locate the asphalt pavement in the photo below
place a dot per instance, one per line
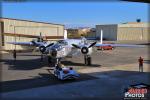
(110, 73)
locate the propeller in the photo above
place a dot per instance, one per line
(40, 43)
(84, 49)
(50, 45)
(78, 47)
(34, 43)
(43, 48)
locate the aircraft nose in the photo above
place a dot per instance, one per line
(54, 53)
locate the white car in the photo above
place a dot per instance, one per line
(66, 73)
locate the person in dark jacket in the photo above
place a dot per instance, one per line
(14, 54)
(140, 60)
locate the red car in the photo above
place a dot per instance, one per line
(109, 47)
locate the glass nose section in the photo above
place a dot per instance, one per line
(57, 47)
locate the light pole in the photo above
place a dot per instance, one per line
(14, 28)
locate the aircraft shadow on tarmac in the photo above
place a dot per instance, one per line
(43, 79)
(38, 81)
(24, 64)
(70, 63)
(37, 63)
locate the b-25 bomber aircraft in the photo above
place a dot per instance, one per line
(68, 47)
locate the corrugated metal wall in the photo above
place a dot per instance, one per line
(109, 31)
(133, 33)
(33, 28)
(128, 31)
(28, 30)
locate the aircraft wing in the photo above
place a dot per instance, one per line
(119, 45)
(26, 43)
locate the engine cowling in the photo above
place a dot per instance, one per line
(86, 50)
(42, 49)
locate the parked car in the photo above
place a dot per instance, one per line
(109, 47)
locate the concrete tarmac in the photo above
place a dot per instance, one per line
(109, 75)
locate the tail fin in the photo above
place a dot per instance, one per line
(101, 38)
(65, 34)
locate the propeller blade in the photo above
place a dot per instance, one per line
(76, 46)
(92, 44)
(50, 45)
(34, 43)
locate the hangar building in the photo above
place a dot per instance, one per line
(24, 31)
(126, 31)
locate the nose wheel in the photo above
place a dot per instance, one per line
(53, 61)
(87, 60)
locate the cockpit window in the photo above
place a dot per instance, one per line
(62, 42)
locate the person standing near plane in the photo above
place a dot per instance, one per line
(14, 55)
(140, 60)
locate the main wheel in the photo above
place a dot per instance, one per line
(87, 60)
(49, 61)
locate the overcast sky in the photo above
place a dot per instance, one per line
(77, 13)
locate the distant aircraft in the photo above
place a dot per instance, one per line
(68, 47)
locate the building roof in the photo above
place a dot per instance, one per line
(30, 21)
(134, 24)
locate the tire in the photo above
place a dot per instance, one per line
(85, 60)
(89, 61)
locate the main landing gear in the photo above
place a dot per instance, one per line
(87, 60)
(53, 61)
